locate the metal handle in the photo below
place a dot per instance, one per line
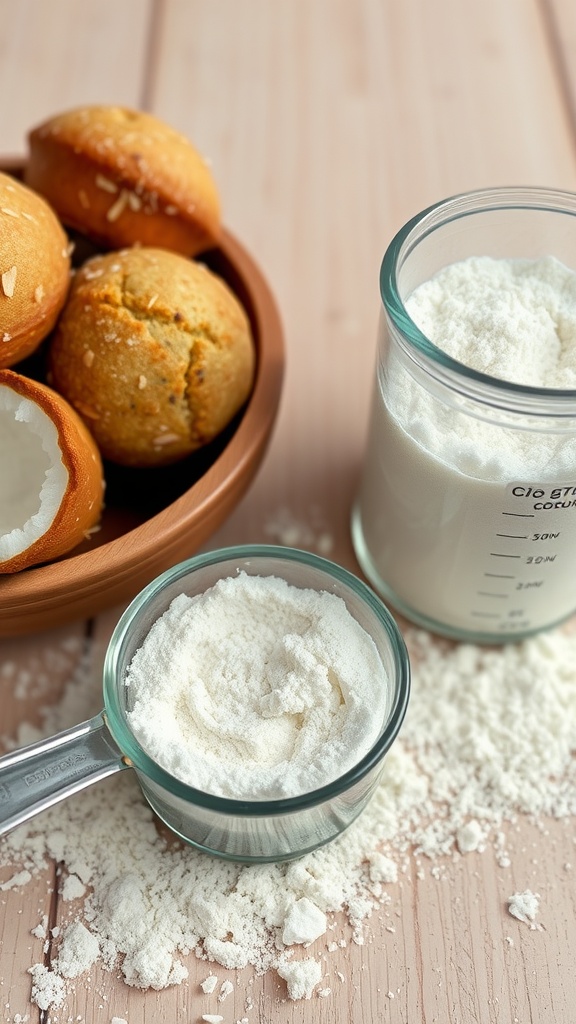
(38, 776)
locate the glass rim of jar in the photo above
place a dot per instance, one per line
(142, 762)
(492, 391)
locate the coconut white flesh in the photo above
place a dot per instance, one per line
(33, 478)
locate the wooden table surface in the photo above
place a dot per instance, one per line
(328, 124)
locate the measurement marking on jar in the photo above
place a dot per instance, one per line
(499, 576)
(487, 593)
(521, 515)
(514, 536)
(499, 554)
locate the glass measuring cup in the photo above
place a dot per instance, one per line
(38, 776)
(465, 519)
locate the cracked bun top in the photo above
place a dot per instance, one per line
(123, 177)
(155, 352)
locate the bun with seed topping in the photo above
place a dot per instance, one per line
(123, 177)
(34, 270)
(155, 352)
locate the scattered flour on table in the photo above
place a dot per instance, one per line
(489, 734)
(288, 529)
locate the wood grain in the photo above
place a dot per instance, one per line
(328, 123)
(64, 54)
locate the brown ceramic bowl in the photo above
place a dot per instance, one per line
(157, 517)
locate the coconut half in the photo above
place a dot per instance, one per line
(51, 479)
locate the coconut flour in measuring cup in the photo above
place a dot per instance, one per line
(466, 516)
(254, 690)
(257, 690)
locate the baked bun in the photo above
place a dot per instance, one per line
(155, 352)
(123, 177)
(34, 270)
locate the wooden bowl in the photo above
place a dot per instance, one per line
(156, 517)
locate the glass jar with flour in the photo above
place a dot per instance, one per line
(466, 514)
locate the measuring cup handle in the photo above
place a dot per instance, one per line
(38, 776)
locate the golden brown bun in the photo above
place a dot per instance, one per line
(123, 177)
(34, 270)
(155, 352)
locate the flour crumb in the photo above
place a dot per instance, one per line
(524, 906)
(212, 1018)
(301, 977)
(118, 1020)
(72, 888)
(209, 984)
(79, 950)
(382, 868)
(324, 992)
(225, 990)
(40, 930)
(470, 837)
(48, 989)
(304, 923)
(20, 878)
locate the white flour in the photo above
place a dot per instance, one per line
(511, 319)
(443, 490)
(311, 532)
(257, 689)
(479, 745)
(524, 906)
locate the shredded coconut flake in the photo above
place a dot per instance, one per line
(105, 184)
(118, 207)
(9, 282)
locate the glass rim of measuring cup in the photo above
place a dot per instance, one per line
(473, 384)
(141, 761)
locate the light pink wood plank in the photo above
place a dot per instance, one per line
(64, 54)
(559, 17)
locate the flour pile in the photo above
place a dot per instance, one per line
(257, 689)
(514, 319)
(489, 734)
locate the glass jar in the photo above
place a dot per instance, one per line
(465, 519)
